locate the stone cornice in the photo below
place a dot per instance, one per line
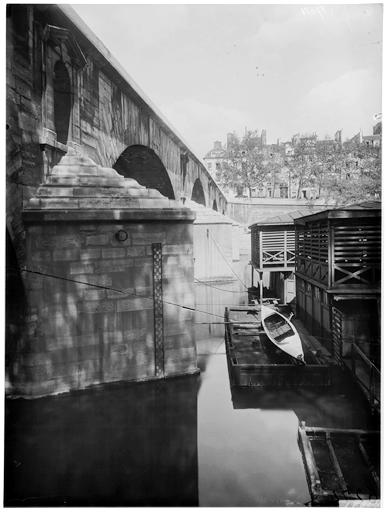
(80, 189)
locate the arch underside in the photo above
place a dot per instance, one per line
(198, 195)
(142, 164)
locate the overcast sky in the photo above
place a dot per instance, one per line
(212, 69)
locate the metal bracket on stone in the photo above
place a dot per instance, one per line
(158, 310)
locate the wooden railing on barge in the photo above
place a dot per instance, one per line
(370, 376)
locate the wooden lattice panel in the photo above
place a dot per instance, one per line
(357, 254)
(277, 249)
(255, 247)
(312, 252)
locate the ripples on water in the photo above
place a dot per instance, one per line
(187, 441)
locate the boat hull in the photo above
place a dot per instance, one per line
(282, 333)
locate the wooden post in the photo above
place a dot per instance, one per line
(372, 470)
(353, 366)
(261, 288)
(331, 255)
(335, 463)
(371, 387)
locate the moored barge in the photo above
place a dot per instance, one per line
(254, 361)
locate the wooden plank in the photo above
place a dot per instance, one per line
(334, 459)
(348, 431)
(311, 467)
(367, 460)
(330, 254)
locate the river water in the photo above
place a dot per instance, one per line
(247, 450)
(187, 441)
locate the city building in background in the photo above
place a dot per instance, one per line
(306, 167)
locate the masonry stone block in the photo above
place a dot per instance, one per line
(113, 253)
(97, 240)
(113, 265)
(90, 254)
(65, 254)
(81, 268)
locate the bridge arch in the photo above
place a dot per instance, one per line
(198, 195)
(142, 164)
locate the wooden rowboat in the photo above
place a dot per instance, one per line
(282, 333)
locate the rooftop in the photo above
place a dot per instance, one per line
(286, 218)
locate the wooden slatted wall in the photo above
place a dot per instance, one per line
(278, 249)
(255, 247)
(357, 253)
(312, 251)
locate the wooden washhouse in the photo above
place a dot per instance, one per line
(273, 252)
(338, 286)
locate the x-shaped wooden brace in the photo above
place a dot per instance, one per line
(351, 275)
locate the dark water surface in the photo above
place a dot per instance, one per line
(188, 441)
(247, 439)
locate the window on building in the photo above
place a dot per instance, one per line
(209, 165)
(283, 191)
(218, 166)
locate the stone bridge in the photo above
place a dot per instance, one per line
(64, 89)
(99, 238)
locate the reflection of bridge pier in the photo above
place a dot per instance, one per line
(131, 445)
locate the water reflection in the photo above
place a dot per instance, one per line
(325, 407)
(247, 457)
(186, 442)
(248, 449)
(132, 445)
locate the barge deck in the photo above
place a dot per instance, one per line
(254, 361)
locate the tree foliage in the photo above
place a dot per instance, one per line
(344, 173)
(246, 166)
